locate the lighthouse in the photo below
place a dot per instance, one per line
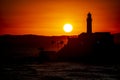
(89, 23)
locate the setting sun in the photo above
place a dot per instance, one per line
(67, 28)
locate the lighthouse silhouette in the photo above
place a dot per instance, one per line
(89, 23)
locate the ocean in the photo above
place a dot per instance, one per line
(59, 71)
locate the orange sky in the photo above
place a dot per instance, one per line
(47, 17)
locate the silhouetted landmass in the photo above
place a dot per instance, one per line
(116, 38)
(29, 40)
(98, 47)
(28, 47)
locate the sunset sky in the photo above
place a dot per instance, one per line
(47, 17)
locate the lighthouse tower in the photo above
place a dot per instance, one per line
(89, 23)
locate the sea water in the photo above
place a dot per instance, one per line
(59, 71)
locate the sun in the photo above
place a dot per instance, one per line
(67, 28)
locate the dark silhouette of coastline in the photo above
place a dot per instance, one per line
(27, 48)
(98, 47)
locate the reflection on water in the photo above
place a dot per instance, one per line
(59, 71)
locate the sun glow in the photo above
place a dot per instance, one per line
(67, 28)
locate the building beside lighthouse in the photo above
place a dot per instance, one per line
(87, 44)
